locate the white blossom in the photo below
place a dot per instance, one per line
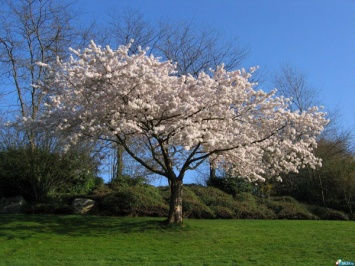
(110, 94)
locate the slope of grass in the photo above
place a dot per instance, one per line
(92, 240)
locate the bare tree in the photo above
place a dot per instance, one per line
(293, 84)
(33, 31)
(192, 47)
(197, 49)
(130, 25)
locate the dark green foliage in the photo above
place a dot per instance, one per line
(225, 206)
(214, 197)
(329, 214)
(230, 185)
(220, 204)
(199, 202)
(203, 203)
(289, 208)
(249, 207)
(134, 201)
(101, 190)
(126, 180)
(331, 186)
(222, 212)
(194, 207)
(49, 208)
(38, 174)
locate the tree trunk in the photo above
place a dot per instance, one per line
(212, 172)
(175, 211)
(119, 163)
(322, 191)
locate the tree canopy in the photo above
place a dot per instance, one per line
(171, 123)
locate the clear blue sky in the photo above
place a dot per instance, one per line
(315, 36)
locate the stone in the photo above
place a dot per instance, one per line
(82, 205)
(12, 205)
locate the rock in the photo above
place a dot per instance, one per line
(12, 205)
(82, 205)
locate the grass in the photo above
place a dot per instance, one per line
(92, 240)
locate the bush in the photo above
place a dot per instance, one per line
(49, 208)
(285, 199)
(221, 204)
(224, 206)
(212, 196)
(193, 207)
(101, 190)
(249, 207)
(38, 174)
(230, 185)
(328, 214)
(134, 201)
(289, 208)
(222, 212)
(126, 180)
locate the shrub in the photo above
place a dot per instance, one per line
(126, 180)
(222, 212)
(285, 199)
(193, 207)
(223, 205)
(49, 208)
(134, 201)
(249, 207)
(101, 190)
(230, 185)
(328, 214)
(289, 208)
(212, 196)
(38, 174)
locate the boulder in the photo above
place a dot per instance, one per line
(12, 205)
(82, 205)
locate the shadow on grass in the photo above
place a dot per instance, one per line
(24, 226)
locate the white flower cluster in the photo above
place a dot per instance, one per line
(117, 96)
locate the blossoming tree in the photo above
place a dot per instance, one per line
(170, 124)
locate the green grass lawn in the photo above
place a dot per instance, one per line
(90, 240)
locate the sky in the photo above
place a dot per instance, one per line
(317, 37)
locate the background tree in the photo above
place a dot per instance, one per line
(177, 122)
(32, 163)
(41, 173)
(292, 83)
(331, 186)
(326, 185)
(33, 31)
